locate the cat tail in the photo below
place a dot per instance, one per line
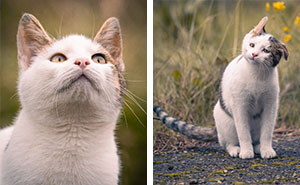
(187, 129)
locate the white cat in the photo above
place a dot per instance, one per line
(71, 95)
(246, 112)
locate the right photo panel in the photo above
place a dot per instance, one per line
(226, 92)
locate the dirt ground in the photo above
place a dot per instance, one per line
(207, 163)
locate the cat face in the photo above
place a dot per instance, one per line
(262, 48)
(71, 70)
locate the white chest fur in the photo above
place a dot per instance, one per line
(71, 154)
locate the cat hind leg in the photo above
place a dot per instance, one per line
(227, 134)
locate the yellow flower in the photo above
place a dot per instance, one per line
(297, 20)
(268, 6)
(278, 6)
(287, 37)
(286, 28)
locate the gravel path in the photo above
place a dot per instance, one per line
(212, 165)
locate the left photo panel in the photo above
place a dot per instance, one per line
(73, 90)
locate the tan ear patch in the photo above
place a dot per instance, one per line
(260, 26)
(109, 36)
(31, 39)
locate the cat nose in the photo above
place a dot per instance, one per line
(254, 54)
(82, 63)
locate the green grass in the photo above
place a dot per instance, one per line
(193, 43)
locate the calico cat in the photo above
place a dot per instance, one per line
(245, 114)
(71, 93)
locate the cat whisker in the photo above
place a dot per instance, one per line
(60, 26)
(135, 95)
(132, 96)
(134, 100)
(126, 90)
(133, 81)
(125, 118)
(13, 96)
(132, 111)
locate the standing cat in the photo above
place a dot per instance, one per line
(246, 111)
(71, 94)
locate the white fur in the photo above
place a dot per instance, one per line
(249, 86)
(5, 136)
(63, 136)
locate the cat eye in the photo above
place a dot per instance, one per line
(58, 58)
(252, 45)
(99, 58)
(266, 51)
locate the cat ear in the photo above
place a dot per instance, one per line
(31, 39)
(284, 50)
(264, 29)
(278, 49)
(260, 27)
(109, 36)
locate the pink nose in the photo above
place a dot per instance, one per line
(82, 63)
(254, 54)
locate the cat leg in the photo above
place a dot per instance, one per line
(257, 148)
(227, 135)
(267, 127)
(255, 133)
(233, 150)
(241, 121)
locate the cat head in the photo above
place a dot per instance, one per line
(260, 47)
(74, 69)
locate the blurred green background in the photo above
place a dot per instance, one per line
(63, 17)
(193, 43)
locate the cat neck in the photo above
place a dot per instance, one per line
(82, 135)
(63, 117)
(258, 71)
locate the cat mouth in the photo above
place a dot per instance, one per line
(253, 59)
(82, 79)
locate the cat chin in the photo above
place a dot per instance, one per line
(251, 60)
(79, 84)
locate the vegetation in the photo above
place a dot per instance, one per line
(195, 40)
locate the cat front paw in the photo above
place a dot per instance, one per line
(267, 153)
(233, 151)
(246, 154)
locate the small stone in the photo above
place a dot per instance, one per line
(193, 181)
(170, 167)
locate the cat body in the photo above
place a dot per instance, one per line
(245, 114)
(71, 93)
(252, 103)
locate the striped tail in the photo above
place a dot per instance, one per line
(187, 129)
